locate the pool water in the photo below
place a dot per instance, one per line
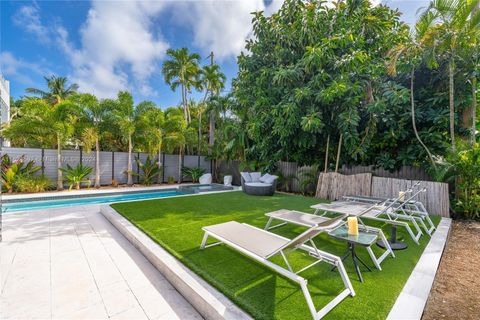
(68, 201)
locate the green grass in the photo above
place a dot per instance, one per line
(175, 223)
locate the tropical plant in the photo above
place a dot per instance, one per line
(182, 69)
(77, 175)
(94, 114)
(58, 90)
(124, 116)
(170, 180)
(177, 135)
(149, 170)
(284, 181)
(195, 173)
(453, 25)
(308, 179)
(27, 183)
(46, 124)
(13, 170)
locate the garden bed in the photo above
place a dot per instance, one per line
(456, 290)
(176, 225)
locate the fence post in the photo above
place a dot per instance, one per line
(81, 155)
(43, 161)
(113, 165)
(198, 162)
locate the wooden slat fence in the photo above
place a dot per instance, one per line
(405, 172)
(333, 186)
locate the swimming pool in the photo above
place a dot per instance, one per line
(37, 203)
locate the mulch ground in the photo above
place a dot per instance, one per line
(456, 290)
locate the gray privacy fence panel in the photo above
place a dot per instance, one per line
(436, 198)
(405, 172)
(171, 166)
(120, 165)
(105, 167)
(88, 159)
(50, 160)
(205, 164)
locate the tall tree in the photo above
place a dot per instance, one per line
(213, 81)
(94, 114)
(125, 115)
(52, 126)
(182, 70)
(58, 90)
(451, 29)
(177, 135)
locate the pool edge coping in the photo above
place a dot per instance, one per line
(207, 300)
(413, 298)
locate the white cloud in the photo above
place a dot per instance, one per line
(17, 69)
(28, 17)
(117, 37)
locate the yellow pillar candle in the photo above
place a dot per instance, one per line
(401, 196)
(352, 226)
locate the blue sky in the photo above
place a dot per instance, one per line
(107, 45)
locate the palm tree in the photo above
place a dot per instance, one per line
(47, 124)
(412, 51)
(94, 114)
(178, 135)
(151, 130)
(213, 81)
(125, 115)
(452, 28)
(182, 70)
(58, 90)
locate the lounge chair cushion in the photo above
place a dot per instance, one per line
(255, 176)
(258, 184)
(246, 176)
(268, 178)
(257, 241)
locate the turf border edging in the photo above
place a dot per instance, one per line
(414, 295)
(208, 301)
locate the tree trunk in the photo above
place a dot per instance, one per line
(199, 131)
(59, 165)
(211, 139)
(338, 152)
(474, 109)
(451, 86)
(180, 165)
(97, 164)
(326, 153)
(412, 103)
(184, 103)
(129, 165)
(160, 176)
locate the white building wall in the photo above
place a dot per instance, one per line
(4, 103)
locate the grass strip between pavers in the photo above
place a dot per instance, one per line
(176, 224)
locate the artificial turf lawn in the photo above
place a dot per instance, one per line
(176, 224)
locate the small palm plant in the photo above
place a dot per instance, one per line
(76, 175)
(150, 170)
(308, 180)
(194, 173)
(11, 170)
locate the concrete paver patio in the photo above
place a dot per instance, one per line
(71, 263)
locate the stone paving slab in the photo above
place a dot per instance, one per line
(71, 263)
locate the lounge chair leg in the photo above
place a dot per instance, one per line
(204, 241)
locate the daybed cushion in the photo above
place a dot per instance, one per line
(268, 178)
(258, 184)
(255, 176)
(246, 176)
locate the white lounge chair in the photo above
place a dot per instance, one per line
(410, 206)
(387, 212)
(261, 245)
(310, 220)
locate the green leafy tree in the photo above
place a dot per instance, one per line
(58, 90)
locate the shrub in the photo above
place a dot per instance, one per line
(194, 173)
(150, 170)
(25, 183)
(11, 170)
(170, 180)
(76, 175)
